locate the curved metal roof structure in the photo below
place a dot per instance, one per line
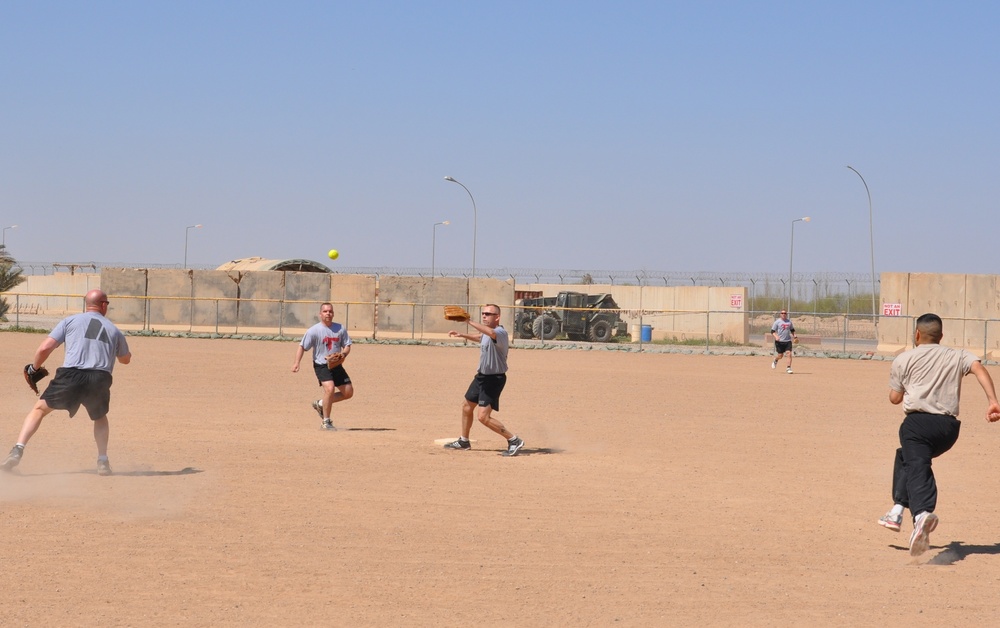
(259, 263)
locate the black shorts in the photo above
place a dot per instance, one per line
(71, 388)
(337, 375)
(485, 390)
(782, 347)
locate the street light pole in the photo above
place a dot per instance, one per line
(871, 238)
(434, 241)
(187, 230)
(4, 241)
(791, 253)
(475, 220)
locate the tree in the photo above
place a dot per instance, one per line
(10, 276)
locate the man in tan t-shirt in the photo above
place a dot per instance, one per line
(927, 380)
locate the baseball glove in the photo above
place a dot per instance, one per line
(33, 376)
(456, 313)
(334, 360)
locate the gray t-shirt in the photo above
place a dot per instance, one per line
(784, 329)
(930, 378)
(493, 353)
(325, 340)
(92, 341)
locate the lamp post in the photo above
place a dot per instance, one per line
(5, 233)
(434, 241)
(791, 253)
(475, 220)
(871, 239)
(187, 230)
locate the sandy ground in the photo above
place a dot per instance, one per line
(655, 489)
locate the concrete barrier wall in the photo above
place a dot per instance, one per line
(895, 333)
(303, 295)
(174, 288)
(968, 304)
(943, 294)
(215, 295)
(979, 306)
(72, 287)
(414, 306)
(126, 289)
(354, 296)
(275, 301)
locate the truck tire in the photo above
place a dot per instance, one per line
(523, 327)
(599, 331)
(545, 327)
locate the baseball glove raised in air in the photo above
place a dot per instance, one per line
(456, 313)
(33, 376)
(333, 360)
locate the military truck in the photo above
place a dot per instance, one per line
(579, 316)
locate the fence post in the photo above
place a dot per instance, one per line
(986, 325)
(708, 330)
(281, 311)
(845, 332)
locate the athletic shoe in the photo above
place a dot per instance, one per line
(789, 370)
(103, 467)
(920, 540)
(514, 446)
(890, 521)
(318, 407)
(13, 458)
(774, 364)
(459, 444)
(328, 425)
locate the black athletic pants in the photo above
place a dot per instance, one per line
(922, 437)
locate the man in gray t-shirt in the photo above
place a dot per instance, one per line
(484, 391)
(783, 332)
(330, 345)
(927, 381)
(93, 345)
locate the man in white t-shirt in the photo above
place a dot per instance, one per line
(93, 345)
(927, 381)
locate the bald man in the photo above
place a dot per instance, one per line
(93, 345)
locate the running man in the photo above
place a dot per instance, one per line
(927, 380)
(326, 339)
(784, 335)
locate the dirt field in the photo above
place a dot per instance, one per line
(655, 489)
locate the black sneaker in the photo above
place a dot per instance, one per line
(514, 446)
(103, 467)
(13, 458)
(328, 425)
(318, 407)
(459, 444)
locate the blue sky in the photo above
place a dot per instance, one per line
(675, 136)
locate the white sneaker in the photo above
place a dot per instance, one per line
(920, 540)
(789, 370)
(774, 364)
